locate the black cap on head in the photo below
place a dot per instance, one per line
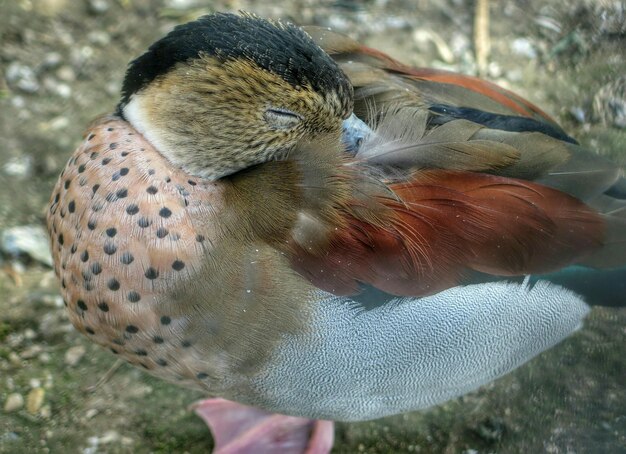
(281, 48)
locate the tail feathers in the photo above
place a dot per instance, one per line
(597, 287)
(605, 288)
(584, 175)
(618, 190)
(612, 254)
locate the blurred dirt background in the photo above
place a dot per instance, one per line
(62, 62)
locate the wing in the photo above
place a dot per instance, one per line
(435, 228)
(461, 176)
(489, 118)
(371, 72)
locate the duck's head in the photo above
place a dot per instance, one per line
(226, 92)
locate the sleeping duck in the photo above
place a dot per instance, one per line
(310, 231)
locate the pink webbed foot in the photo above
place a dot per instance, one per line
(239, 429)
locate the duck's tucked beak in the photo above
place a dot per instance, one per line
(355, 131)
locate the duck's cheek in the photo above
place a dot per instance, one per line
(405, 355)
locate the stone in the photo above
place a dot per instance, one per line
(14, 402)
(74, 354)
(30, 240)
(34, 400)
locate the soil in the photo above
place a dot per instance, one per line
(62, 63)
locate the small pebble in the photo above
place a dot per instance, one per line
(18, 101)
(31, 240)
(14, 402)
(19, 166)
(15, 340)
(48, 299)
(523, 47)
(10, 383)
(50, 7)
(49, 381)
(66, 73)
(180, 4)
(140, 391)
(9, 437)
(74, 354)
(31, 352)
(99, 37)
(45, 412)
(44, 358)
(494, 70)
(460, 44)
(58, 123)
(60, 89)
(15, 359)
(98, 6)
(22, 77)
(110, 436)
(93, 442)
(34, 400)
(515, 75)
(52, 60)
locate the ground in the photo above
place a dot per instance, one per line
(62, 63)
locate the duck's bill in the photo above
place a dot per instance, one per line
(355, 132)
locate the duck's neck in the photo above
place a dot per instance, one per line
(279, 201)
(190, 139)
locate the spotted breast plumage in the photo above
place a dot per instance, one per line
(324, 232)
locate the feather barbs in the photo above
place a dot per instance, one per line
(443, 225)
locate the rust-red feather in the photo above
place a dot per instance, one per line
(443, 224)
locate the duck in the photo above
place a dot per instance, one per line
(310, 231)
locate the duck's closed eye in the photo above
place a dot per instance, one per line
(281, 118)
